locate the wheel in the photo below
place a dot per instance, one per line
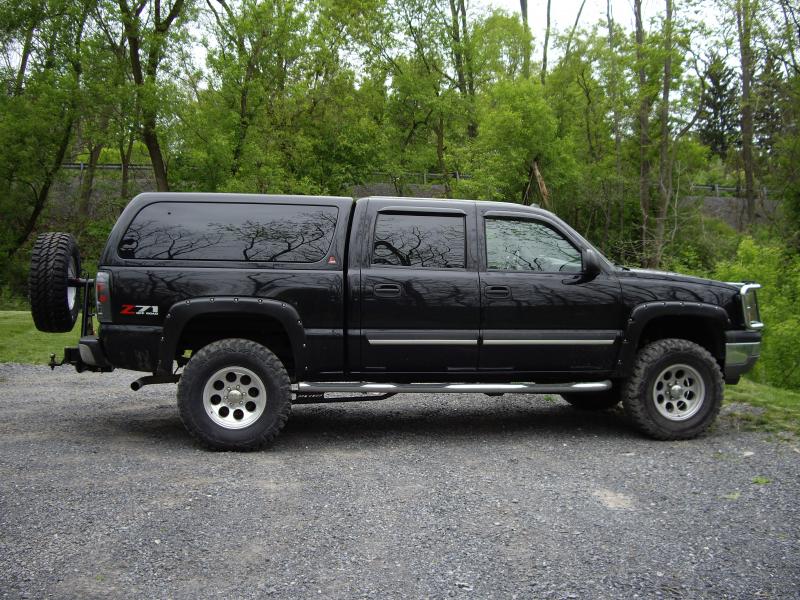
(54, 303)
(594, 401)
(675, 391)
(234, 394)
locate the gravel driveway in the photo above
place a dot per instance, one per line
(103, 494)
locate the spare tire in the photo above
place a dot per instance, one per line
(54, 302)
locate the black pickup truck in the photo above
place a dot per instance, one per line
(252, 303)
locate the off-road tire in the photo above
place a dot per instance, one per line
(222, 354)
(595, 401)
(54, 305)
(637, 397)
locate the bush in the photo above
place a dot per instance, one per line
(778, 272)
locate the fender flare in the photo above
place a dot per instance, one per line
(643, 314)
(181, 313)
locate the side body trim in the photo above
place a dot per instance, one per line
(553, 342)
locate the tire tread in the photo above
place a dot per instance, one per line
(197, 366)
(47, 282)
(635, 407)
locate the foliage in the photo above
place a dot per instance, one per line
(778, 272)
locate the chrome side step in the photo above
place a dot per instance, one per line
(454, 388)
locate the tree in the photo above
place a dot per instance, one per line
(745, 12)
(40, 112)
(149, 29)
(718, 125)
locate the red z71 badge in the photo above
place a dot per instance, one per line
(138, 309)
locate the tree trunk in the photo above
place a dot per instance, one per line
(546, 43)
(644, 128)
(664, 159)
(744, 18)
(41, 196)
(150, 139)
(526, 57)
(617, 129)
(125, 161)
(87, 183)
(23, 61)
(439, 130)
(574, 27)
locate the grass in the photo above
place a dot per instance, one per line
(21, 342)
(777, 410)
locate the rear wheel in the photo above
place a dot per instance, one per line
(54, 302)
(675, 391)
(594, 401)
(234, 394)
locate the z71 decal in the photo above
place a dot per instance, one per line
(139, 309)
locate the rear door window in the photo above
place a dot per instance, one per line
(419, 240)
(282, 233)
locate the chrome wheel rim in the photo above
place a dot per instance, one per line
(678, 392)
(72, 291)
(234, 397)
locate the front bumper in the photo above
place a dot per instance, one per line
(742, 349)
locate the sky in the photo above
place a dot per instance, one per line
(563, 12)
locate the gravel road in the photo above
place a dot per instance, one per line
(103, 494)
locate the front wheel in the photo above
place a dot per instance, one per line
(675, 391)
(234, 394)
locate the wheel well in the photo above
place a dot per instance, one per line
(703, 331)
(267, 331)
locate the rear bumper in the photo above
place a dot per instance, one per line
(742, 349)
(91, 352)
(133, 347)
(88, 355)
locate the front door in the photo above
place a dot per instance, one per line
(539, 315)
(420, 303)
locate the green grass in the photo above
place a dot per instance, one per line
(779, 409)
(21, 342)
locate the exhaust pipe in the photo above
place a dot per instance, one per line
(153, 379)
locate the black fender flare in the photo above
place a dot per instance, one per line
(181, 313)
(643, 314)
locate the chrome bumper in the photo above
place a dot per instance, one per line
(740, 353)
(740, 356)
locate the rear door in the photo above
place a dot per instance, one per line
(420, 303)
(539, 315)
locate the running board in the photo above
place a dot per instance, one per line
(454, 388)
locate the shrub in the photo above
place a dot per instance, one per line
(778, 271)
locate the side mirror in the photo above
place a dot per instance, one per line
(591, 265)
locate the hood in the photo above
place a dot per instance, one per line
(670, 276)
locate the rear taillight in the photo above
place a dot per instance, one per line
(102, 295)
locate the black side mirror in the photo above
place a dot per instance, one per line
(590, 269)
(591, 264)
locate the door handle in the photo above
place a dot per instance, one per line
(386, 290)
(497, 291)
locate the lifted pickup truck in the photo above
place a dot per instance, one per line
(251, 303)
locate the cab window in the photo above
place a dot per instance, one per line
(421, 241)
(526, 245)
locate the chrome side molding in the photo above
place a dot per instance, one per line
(307, 387)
